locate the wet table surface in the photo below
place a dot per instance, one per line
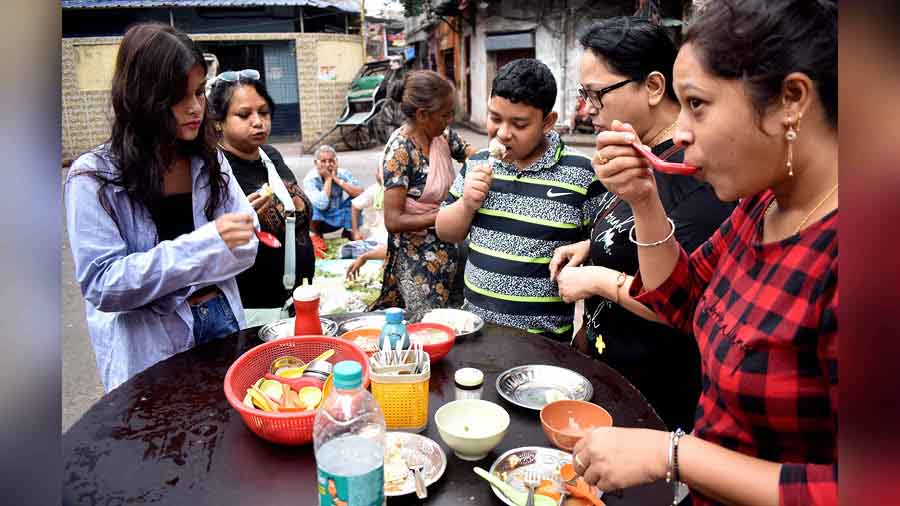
(169, 436)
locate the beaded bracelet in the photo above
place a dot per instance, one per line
(633, 238)
(673, 451)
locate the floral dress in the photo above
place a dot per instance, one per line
(419, 269)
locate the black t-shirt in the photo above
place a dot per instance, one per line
(660, 361)
(175, 216)
(261, 285)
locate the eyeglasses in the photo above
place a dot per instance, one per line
(596, 97)
(233, 75)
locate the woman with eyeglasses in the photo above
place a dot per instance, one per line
(242, 109)
(626, 75)
(758, 85)
(158, 226)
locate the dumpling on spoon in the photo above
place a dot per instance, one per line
(497, 149)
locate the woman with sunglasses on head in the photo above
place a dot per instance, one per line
(757, 81)
(157, 224)
(626, 75)
(242, 110)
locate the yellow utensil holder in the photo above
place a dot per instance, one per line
(403, 398)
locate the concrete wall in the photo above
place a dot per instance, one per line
(86, 114)
(556, 44)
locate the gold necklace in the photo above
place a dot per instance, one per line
(803, 221)
(661, 136)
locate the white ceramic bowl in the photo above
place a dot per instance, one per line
(471, 427)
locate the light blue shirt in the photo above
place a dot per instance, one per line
(313, 186)
(135, 289)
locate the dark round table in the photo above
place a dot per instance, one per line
(168, 435)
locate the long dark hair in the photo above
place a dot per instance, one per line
(151, 76)
(762, 41)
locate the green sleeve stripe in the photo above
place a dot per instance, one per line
(543, 182)
(527, 219)
(511, 298)
(561, 330)
(507, 256)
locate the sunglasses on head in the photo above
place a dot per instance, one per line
(234, 75)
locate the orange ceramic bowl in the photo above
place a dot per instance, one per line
(567, 421)
(366, 338)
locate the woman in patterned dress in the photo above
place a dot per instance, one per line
(418, 172)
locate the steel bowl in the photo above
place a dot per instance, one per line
(512, 466)
(534, 386)
(373, 320)
(285, 328)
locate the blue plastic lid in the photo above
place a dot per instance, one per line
(347, 375)
(394, 315)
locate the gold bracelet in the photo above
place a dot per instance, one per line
(620, 280)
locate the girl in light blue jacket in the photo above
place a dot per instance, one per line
(157, 224)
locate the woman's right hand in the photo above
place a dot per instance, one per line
(354, 268)
(572, 255)
(260, 204)
(235, 229)
(626, 173)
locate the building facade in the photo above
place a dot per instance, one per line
(480, 37)
(307, 52)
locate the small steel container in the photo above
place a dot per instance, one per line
(319, 369)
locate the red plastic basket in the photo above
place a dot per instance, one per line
(295, 428)
(439, 350)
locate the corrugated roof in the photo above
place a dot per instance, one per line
(344, 5)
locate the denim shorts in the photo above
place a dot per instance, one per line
(213, 319)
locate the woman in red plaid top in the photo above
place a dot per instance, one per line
(761, 295)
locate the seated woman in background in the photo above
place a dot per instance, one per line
(157, 224)
(761, 296)
(242, 110)
(629, 60)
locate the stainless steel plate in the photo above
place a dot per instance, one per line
(369, 320)
(533, 386)
(512, 466)
(408, 445)
(285, 328)
(448, 316)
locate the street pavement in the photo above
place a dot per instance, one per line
(81, 386)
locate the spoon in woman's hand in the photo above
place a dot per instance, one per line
(268, 239)
(678, 169)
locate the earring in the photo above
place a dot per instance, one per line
(791, 137)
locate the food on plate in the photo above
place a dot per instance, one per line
(396, 470)
(549, 489)
(428, 336)
(462, 322)
(497, 149)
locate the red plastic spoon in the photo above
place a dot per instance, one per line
(678, 169)
(268, 239)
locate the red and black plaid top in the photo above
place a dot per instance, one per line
(765, 319)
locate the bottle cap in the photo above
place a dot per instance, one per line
(394, 315)
(306, 293)
(347, 375)
(469, 377)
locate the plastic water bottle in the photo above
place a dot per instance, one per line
(394, 330)
(348, 440)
